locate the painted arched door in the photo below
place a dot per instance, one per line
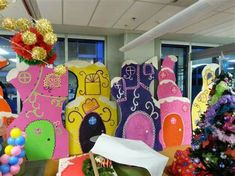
(91, 128)
(173, 130)
(40, 141)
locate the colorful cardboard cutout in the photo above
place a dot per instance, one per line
(43, 93)
(175, 109)
(3, 63)
(6, 116)
(140, 117)
(91, 113)
(200, 102)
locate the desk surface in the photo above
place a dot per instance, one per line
(50, 167)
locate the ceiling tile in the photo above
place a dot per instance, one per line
(141, 11)
(184, 3)
(15, 10)
(231, 10)
(221, 32)
(48, 9)
(218, 28)
(226, 33)
(109, 11)
(227, 4)
(208, 23)
(161, 16)
(158, 1)
(78, 12)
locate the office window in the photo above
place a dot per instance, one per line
(86, 50)
(198, 65)
(60, 51)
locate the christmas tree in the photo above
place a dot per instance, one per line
(214, 138)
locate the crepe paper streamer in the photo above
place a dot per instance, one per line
(200, 103)
(140, 114)
(43, 93)
(92, 112)
(175, 109)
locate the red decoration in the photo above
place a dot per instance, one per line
(25, 51)
(183, 165)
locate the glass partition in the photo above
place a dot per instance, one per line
(228, 64)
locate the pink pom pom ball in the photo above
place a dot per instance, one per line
(4, 159)
(15, 169)
(16, 150)
(8, 174)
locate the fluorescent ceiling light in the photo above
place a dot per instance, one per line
(231, 60)
(230, 68)
(197, 65)
(3, 52)
(176, 22)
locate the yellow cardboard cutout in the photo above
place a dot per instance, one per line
(200, 102)
(91, 113)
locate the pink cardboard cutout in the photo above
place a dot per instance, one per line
(175, 109)
(42, 93)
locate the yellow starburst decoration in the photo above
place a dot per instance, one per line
(9, 23)
(23, 24)
(39, 53)
(29, 38)
(50, 38)
(43, 26)
(60, 69)
(3, 4)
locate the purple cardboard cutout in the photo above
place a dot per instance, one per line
(140, 117)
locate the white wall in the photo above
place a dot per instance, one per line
(114, 58)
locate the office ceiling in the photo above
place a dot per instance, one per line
(140, 15)
(100, 17)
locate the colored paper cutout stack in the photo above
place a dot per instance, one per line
(6, 116)
(175, 109)
(200, 102)
(43, 93)
(91, 113)
(140, 116)
(72, 166)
